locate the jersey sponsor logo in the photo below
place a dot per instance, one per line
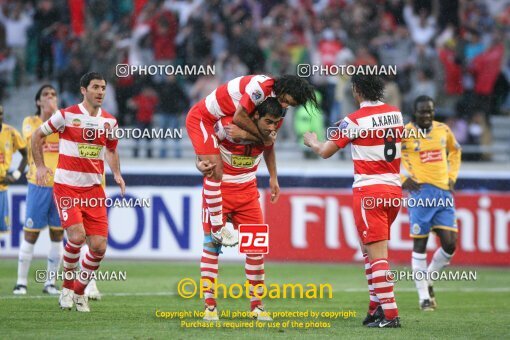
(239, 161)
(253, 238)
(431, 156)
(76, 122)
(89, 150)
(50, 147)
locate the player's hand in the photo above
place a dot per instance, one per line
(9, 179)
(411, 185)
(206, 168)
(269, 140)
(275, 189)
(451, 185)
(120, 181)
(310, 138)
(49, 104)
(235, 132)
(42, 175)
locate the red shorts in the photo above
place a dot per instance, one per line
(374, 222)
(93, 215)
(200, 127)
(239, 207)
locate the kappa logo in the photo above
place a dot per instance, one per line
(253, 238)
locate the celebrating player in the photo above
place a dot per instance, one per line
(236, 98)
(10, 142)
(82, 151)
(373, 132)
(433, 165)
(241, 157)
(41, 211)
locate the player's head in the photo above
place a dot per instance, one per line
(423, 112)
(269, 113)
(365, 88)
(93, 88)
(293, 91)
(46, 92)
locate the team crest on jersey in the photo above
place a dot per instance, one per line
(256, 95)
(416, 229)
(76, 122)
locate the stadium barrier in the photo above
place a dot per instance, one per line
(310, 222)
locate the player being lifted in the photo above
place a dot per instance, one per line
(41, 211)
(10, 142)
(241, 155)
(376, 158)
(432, 164)
(79, 176)
(236, 98)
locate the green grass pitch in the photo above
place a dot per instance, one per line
(473, 309)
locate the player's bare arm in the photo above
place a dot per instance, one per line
(112, 158)
(235, 132)
(243, 121)
(323, 149)
(43, 172)
(270, 159)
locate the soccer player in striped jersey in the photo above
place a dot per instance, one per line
(10, 142)
(41, 211)
(373, 132)
(237, 98)
(78, 176)
(432, 164)
(241, 155)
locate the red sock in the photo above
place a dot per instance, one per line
(213, 202)
(71, 258)
(254, 269)
(374, 301)
(383, 288)
(89, 264)
(209, 275)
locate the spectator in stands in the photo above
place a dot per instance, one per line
(46, 18)
(145, 104)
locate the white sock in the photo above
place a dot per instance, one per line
(54, 260)
(26, 251)
(419, 264)
(440, 260)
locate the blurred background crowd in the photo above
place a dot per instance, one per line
(455, 51)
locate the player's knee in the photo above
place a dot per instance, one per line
(56, 235)
(76, 238)
(31, 237)
(450, 245)
(420, 245)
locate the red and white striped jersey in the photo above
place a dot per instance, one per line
(248, 91)
(375, 132)
(81, 153)
(240, 158)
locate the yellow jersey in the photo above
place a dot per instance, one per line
(434, 159)
(10, 142)
(50, 149)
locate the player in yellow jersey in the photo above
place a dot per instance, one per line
(432, 163)
(40, 210)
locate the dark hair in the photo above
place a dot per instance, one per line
(368, 87)
(270, 107)
(38, 97)
(297, 88)
(88, 77)
(421, 99)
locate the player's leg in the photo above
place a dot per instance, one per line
(375, 311)
(75, 240)
(420, 222)
(444, 224)
(54, 259)
(248, 211)
(202, 136)
(91, 291)
(26, 251)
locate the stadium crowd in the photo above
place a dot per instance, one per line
(453, 51)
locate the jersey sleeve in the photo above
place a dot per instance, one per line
(17, 141)
(55, 124)
(454, 155)
(111, 144)
(255, 93)
(344, 134)
(219, 127)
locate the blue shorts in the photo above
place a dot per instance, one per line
(41, 210)
(5, 221)
(424, 219)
